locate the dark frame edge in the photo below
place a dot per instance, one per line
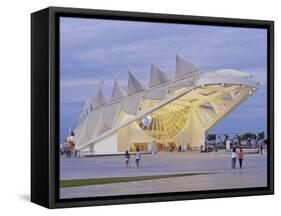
(164, 198)
(39, 108)
(54, 107)
(134, 15)
(270, 104)
(50, 200)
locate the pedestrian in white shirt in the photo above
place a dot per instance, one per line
(233, 158)
(138, 157)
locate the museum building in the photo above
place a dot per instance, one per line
(167, 113)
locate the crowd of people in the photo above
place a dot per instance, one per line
(68, 148)
(68, 152)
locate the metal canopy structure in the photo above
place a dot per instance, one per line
(177, 110)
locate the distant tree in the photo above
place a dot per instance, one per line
(237, 138)
(260, 136)
(225, 138)
(248, 136)
(211, 137)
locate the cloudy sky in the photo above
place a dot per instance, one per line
(93, 49)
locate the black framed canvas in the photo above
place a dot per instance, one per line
(138, 107)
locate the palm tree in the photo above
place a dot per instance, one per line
(260, 136)
(225, 138)
(238, 137)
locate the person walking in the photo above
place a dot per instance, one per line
(138, 157)
(233, 158)
(127, 158)
(69, 152)
(179, 150)
(260, 145)
(240, 157)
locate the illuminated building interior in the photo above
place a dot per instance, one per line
(169, 111)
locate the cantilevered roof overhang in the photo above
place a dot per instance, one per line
(212, 95)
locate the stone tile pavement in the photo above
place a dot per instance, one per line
(252, 175)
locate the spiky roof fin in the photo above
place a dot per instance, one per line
(100, 100)
(117, 92)
(156, 76)
(184, 67)
(134, 85)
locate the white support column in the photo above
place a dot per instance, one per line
(91, 148)
(197, 132)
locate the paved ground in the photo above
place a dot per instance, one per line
(252, 175)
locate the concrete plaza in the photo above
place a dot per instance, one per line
(216, 165)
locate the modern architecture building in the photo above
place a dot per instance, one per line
(167, 113)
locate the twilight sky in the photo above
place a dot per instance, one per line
(93, 49)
